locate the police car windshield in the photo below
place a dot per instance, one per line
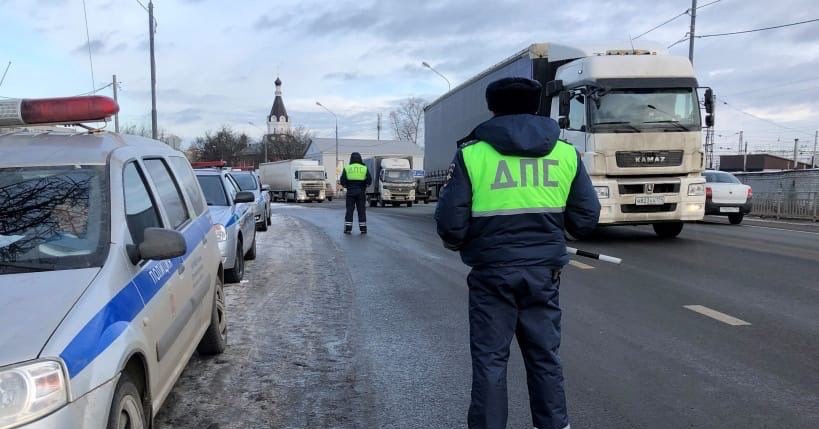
(311, 175)
(246, 181)
(398, 176)
(53, 218)
(647, 110)
(213, 190)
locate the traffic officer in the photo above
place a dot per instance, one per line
(355, 178)
(512, 190)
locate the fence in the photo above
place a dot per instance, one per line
(788, 205)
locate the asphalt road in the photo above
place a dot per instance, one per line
(716, 329)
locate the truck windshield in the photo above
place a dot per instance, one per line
(53, 218)
(311, 175)
(398, 176)
(637, 110)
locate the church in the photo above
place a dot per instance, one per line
(278, 126)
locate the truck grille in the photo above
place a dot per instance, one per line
(634, 208)
(662, 158)
(642, 188)
(312, 186)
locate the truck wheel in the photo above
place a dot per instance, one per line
(373, 203)
(236, 274)
(215, 339)
(126, 408)
(426, 200)
(668, 230)
(735, 219)
(381, 203)
(409, 204)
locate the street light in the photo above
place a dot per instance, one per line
(425, 64)
(264, 139)
(335, 116)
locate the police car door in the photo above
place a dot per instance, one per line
(245, 212)
(174, 337)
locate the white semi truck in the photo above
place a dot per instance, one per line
(393, 181)
(633, 113)
(296, 180)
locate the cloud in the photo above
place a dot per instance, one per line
(97, 47)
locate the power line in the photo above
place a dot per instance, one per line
(778, 85)
(757, 29)
(96, 90)
(143, 6)
(685, 12)
(763, 119)
(88, 42)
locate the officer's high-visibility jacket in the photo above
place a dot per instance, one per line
(355, 176)
(511, 193)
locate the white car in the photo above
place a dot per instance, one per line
(725, 195)
(110, 271)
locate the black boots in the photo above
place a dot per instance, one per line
(348, 227)
(362, 226)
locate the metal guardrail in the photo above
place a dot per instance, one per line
(786, 205)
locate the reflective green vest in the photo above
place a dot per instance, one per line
(356, 172)
(505, 184)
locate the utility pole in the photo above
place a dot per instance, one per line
(745, 158)
(795, 153)
(379, 127)
(116, 117)
(813, 158)
(154, 132)
(691, 33)
(739, 150)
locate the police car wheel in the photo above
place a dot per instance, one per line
(251, 254)
(269, 218)
(215, 338)
(236, 274)
(262, 226)
(127, 411)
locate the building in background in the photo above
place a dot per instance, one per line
(758, 162)
(324, 151)
(278, 126)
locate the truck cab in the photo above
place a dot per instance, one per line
(634, 115)
(394, 181)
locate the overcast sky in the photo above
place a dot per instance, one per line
(217, 59)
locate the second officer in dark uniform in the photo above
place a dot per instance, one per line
(511, 193)
(356, 178)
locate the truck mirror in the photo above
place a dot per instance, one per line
(554, 87)
(565, 99)
(709, 100)
(709, 120)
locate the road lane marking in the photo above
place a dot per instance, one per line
(714, 314)
(782, 229)
(580, 265)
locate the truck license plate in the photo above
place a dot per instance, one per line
(650, 201)
(729, 209)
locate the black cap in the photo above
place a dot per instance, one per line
(513, 95)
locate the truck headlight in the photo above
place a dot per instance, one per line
(386, 193)
(602, 192)
(696, 189)
(30, 391)
(221, 232)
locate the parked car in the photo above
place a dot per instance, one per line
(232, 211)
(249, 181)
(110, 276)
(725, 195)
(329, 191)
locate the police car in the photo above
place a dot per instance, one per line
(110, 272)
(233, 213)
(249, 181)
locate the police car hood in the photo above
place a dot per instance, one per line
(32, 307)
(519, 135)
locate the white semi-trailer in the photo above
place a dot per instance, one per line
(393, 181)
(633, 113)
(294, 180)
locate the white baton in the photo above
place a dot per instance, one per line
(599, 257)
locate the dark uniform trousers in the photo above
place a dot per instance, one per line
(521, 301)
(356, 202)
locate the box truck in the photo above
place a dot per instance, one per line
(296, 180)
(633, 113)
(393, 181)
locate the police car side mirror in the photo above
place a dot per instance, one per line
(244, 197)
(158, 244)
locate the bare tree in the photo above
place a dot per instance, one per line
(163, 135)
(291, 145)
(408, 118)
(224, 144)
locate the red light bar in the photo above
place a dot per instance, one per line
(66, 110)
